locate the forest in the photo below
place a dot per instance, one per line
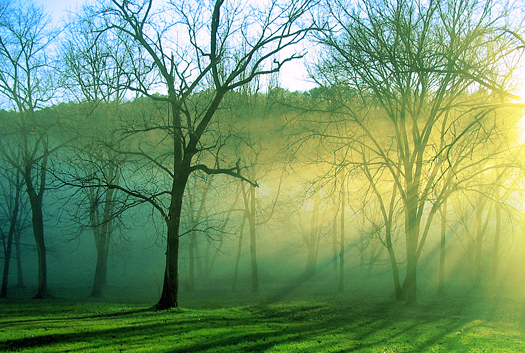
(149, 154)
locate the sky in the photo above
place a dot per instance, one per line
(293, 77)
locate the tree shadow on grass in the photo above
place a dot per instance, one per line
(336, 325)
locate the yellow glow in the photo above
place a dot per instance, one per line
(521, 130)
(519, 76)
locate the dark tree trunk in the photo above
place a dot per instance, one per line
(7, 260)
(101, 272)
(38, 231)
(170, 289)
(13, 225)
(35, 200)
(19, 273)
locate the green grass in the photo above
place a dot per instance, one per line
(324, 324)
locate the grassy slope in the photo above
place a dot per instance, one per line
(325, 324)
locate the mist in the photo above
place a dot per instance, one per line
(151, 154)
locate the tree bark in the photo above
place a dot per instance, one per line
(9, 246)
(412, 237)
(170, 289)
(35, 200)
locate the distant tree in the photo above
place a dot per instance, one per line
(27, 82)
(411, 68)
(195, 209)
(196, 53)
(96, 65)
(13, 216)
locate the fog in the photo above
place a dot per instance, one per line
(137, 255)
(150, 151)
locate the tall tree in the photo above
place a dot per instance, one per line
(196, 53)
(12, 213)
(96, 65)
(412, 67)
(27, 82)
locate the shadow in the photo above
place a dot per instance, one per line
(339, 323)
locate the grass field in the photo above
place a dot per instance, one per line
(328, 323)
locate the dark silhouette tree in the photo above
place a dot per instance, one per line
(195, 53)
(27, 82)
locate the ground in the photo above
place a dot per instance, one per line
(222, 322)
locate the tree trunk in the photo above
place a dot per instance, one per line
(238, 257)
(341, 286)
(497, 235)
(35, 200)
(19, 273)
(38, 232)
(13, 228)
(100, 280)
(7, 255)
(412, 238)
(393, 263)
(170, 289)
(213, 259)
(102, 230)
(480, 232)
(312, 237)
(310, 262)
(442, 252)
(334, 245)
(191, 249)
(253, 242)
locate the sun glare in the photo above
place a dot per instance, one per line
(520, 92)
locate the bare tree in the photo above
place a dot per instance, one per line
(13, 215)
(27, 82)
(196, 53)
(96, 66)
(411, 68)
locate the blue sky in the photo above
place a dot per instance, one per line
(58, 8)
(292, 77)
